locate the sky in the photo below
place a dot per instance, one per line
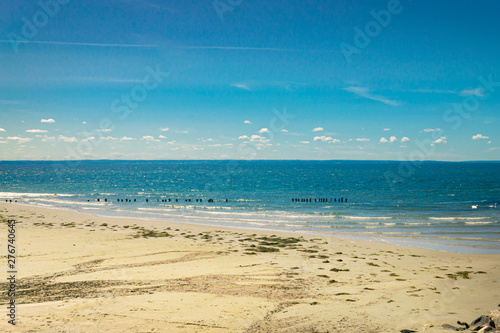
(238, 79)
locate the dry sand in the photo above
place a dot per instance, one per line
(82, 273)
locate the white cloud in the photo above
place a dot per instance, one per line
(125, 138)
(104, 130)
(263, 130)
(95, 44)
(479, 92)
(284, 131)
(259, 139)
(263, 145)
(48, 138)
(324, 138)
(149, 138)
(441, 140)
(479, 136)
(362, 139)
(19, 139)
(9, 101)
(162, 137)
(50, 121)
(433, 91)
(387, 129)
(2, 130)
(365, 92)
(427, 130)
(391, 139)
(241, 86)
(247, 122)
(67, 139)
(405, 139)
(164, 129)
(36, 131)
(207, 140)
(108, 138)
(243, 137)
(255, 137)
(318, 129)
(84, 122)
(304, 142)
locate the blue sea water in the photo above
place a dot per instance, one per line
(428, 205)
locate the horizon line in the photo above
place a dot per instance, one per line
(242, 160)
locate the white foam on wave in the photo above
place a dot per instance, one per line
(68, 202)
(366, 217)
(154, 209)
(457, 218)
(417, 223)
(45, 205)
(33, 195)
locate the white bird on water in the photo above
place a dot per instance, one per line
(474, 206)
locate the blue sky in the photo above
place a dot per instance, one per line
(238, 79)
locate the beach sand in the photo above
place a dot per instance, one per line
(82, 273)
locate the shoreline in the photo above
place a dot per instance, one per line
(81, 272)
(379, 238)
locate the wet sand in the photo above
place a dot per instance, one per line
(82, 273)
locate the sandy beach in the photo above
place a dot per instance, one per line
(82, 273)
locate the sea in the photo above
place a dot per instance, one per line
(446, 206)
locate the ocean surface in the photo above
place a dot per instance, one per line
(436, 205)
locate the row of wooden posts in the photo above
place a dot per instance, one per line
(226, 200)
(157, 200)
(319, 199)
